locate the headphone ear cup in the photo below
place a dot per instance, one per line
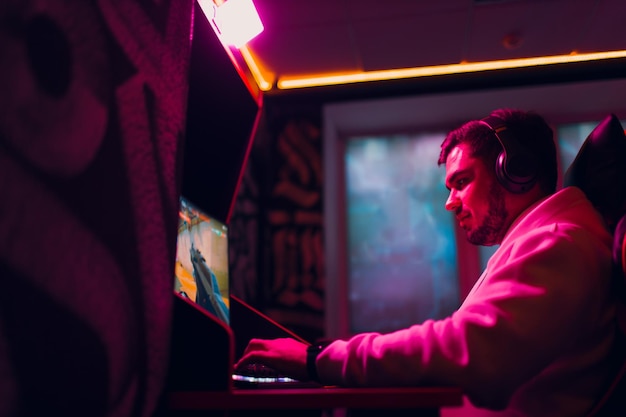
(516, 172)
(516, 169)
(500, 171)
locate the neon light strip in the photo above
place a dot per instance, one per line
(323, 80)
(263, 84)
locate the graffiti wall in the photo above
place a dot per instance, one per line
(277, 251)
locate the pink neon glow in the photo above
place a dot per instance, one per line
(238, 22)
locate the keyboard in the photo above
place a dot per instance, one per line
(256, 375)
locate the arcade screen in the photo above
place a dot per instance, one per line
(201, 273)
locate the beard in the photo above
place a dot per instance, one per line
(490, 232)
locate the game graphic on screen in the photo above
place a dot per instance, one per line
(201, 273)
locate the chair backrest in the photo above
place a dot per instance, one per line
(599, 169)
(619, 249)
(613, 402)
(619, 265)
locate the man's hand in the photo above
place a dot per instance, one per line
(287, 356)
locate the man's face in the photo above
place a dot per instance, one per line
(476, 198)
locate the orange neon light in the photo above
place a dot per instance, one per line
(255, 70)
(285, 83)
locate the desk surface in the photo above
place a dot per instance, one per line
(316, 398)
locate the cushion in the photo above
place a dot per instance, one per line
(599, 169)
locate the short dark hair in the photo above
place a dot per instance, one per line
(532, 132)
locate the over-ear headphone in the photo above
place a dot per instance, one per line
(516, 168)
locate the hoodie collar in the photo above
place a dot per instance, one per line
(545, 208)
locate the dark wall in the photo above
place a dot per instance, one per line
(276, 228)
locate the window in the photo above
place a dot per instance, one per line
(401, 248)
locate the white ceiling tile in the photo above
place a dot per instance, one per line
(406, 41)
(376, 9)
(544, 28)
(306, 50)
(605, 27)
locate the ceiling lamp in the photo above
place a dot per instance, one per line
(235, 21)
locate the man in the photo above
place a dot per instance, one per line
(534, 336)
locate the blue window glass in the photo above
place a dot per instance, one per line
(485, 253)
(402, 255)
(569, 139)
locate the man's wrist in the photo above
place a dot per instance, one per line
(312, 352)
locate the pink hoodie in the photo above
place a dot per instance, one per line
(533, 336)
